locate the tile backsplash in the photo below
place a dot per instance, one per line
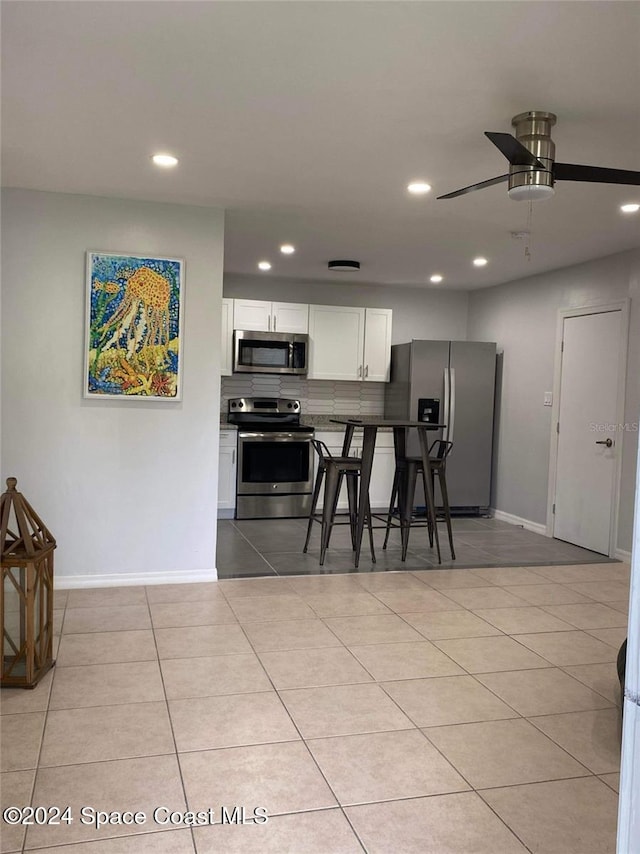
(317, 397)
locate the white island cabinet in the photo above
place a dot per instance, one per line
(260, 316)
(381, 473)
(349, 343)
(227, 473)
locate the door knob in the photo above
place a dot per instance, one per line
(607, 442)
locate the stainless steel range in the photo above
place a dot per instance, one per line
(275, 458)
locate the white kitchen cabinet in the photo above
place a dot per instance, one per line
(227, 471)
(384, 466)
(290, 317)
(226, 339)
(377, 345)
(349, 343)
(261, 316)
(381, 474)
(336, 342)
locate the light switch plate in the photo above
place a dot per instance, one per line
(548, 398)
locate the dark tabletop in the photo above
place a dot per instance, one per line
(386, 422)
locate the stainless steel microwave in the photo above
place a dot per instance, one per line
(270, 352)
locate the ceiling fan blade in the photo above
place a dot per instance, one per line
(473, 187)
(513, 150)
(595, 174)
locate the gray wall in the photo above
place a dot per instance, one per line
(417, 312)
(521, 317)
(128, 487)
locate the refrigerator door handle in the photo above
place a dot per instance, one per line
(452, 404)
(445, 432)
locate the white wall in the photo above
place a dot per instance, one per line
(521, 317)
(128, 488)
(417, 312)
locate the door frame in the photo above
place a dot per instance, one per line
(563, 313)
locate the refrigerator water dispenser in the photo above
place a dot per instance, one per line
(429, 410)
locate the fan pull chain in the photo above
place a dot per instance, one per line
(527, 252)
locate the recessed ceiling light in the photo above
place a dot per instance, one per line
(287, 249)
(264, 265)
(480, 262)
(630, 208)
(436, 278)
(418, 188)
(166, 160)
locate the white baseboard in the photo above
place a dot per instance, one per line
(536, 527)
(71, 582)
(226, 514)
(623, 555)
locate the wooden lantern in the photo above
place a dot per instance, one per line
(26, 594)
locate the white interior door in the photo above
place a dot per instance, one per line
(588, 443)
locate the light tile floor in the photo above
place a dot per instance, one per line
(450, 711)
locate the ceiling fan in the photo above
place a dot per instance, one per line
(532, 167)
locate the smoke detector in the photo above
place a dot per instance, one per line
(341, 266)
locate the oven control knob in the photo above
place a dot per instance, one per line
(241, 404)
(275, 485)
(290, 405)
(233, 405)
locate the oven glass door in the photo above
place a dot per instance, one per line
(270, 462)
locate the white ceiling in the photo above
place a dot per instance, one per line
(306, 120)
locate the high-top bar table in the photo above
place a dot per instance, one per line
(370, 430)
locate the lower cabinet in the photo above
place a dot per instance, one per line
(381, 473)
(227, 472)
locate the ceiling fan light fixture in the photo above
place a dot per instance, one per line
(531, 193)
(342, 266)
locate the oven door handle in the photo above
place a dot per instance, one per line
(275, 436)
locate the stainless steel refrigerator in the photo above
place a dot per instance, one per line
(452, 383)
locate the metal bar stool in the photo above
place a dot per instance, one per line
(410, 467)
(334, 470)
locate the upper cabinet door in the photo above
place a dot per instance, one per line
(290, 317)
(377, 345)
(336, 338)
(226, 338)
(252, 314)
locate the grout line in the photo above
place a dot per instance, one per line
(170, 719)
(304, 742)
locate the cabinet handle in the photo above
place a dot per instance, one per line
(274, 323)
(360, 371)
(366, 371)
(233, 457)
(269, 323)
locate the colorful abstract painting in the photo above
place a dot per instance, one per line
(134, 321)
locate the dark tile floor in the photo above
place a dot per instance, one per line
(257, 547)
